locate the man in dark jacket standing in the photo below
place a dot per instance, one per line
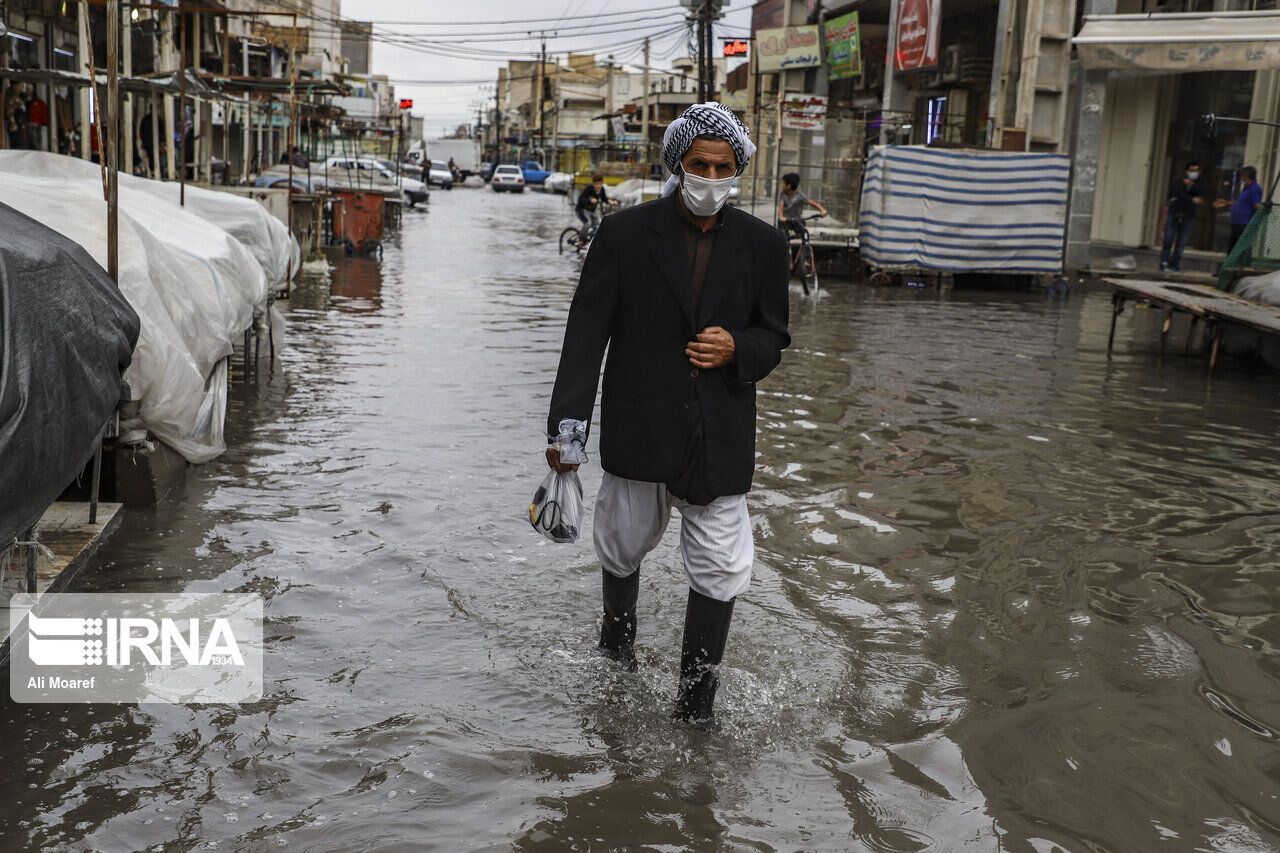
(1186, 194)
(691, 299)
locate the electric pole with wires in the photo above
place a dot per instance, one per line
(704, 13)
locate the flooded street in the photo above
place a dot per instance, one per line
(1007, 596)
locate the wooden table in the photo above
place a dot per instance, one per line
(1201, 301)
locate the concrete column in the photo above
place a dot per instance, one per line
(1086, 146)
(999, 73)
(895, 90)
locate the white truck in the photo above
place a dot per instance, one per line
(465, 154)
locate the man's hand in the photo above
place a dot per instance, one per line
(553, 459)
(714, 347)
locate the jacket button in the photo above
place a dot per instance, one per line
(694, 373)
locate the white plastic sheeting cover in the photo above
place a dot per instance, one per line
(194, 286)
(1264, 289)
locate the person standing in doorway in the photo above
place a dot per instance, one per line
(1185, 196)
(1246, 203)
(690, 297)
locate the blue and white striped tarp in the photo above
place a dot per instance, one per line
(964, 211)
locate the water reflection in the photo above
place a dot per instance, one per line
(357, 285)
(1010, 595)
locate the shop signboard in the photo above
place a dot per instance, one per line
(802, 111)
(844, 47)
(919, 25)
(785, 48)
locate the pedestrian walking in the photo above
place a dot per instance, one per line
(690, 296)
(1246, 202)
(1186, 194)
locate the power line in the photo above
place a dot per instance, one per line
(425, 45)
(458, 39)
(515, 35)
(547, 21)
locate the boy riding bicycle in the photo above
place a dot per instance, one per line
(591, 202)
(791, 204)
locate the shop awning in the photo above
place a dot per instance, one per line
(164, 83)
(1223, 41)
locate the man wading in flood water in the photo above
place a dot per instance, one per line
(691, 299)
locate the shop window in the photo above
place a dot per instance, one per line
(24, 51)
(1219, 150)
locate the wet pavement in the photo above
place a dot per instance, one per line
(1009, 596)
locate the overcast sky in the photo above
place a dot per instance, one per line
(619, 25)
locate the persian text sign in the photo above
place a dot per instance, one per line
(786, 48)
(843, 39)
(804, 112)
(187, 648)
(919, 26)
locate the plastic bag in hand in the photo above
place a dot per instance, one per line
(556, 508)
(572, 442)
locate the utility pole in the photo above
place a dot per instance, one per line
(700, 38)
(553, 162)
(708, 50)
(541, 78)
(497, 126)
(644, 117)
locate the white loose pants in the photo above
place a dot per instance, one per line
(630, 517)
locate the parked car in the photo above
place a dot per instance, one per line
(486, 171)
(534, 173)
(507, 178)
(558, 182)
(415, 190)
(439, 175)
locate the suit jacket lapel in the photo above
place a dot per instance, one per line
(672, 255)
(722, 272)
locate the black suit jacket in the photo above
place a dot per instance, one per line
(635, 295)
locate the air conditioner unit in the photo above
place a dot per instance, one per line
(952, 60)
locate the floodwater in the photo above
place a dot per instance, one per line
(1009, 596)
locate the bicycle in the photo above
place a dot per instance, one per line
(580, 238)
(803, 261)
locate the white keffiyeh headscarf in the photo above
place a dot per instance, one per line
(707, 119)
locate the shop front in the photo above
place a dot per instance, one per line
(1165, 75)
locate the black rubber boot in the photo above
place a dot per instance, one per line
(618, 630)
(706, 629)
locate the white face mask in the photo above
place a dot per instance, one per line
(704, 196)
(1193, 175)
